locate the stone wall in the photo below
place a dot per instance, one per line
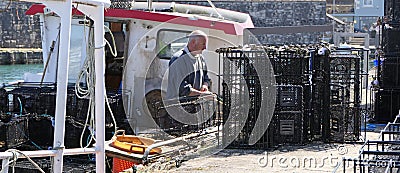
(18, 30)
(275, 13)
(272, 13)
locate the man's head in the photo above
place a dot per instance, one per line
(197, 42)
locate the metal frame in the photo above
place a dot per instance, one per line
(94, 9)
(380, 155)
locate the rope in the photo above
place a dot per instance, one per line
(113, 51)
(88, 92)
(112, 115)
(15, 158)
(87, 74)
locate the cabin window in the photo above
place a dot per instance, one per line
(77, 49)
(169, 42)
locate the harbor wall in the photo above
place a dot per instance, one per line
(20, 56)
(273, 13)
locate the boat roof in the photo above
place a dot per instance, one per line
(233, 24)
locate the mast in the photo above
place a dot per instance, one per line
(96, 13)
(61, 94)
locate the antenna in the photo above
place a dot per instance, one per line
(216, 11)
(150, 5)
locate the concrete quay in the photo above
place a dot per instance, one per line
(20, 56)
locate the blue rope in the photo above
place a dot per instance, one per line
(37, 146)
(20, 106)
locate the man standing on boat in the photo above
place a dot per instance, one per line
(188, 80)
(188, 70)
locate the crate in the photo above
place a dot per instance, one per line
(288, 127)
(247, 70)
(38, 101)
(344, 106)
(334, 76)
(41, 130)
(74, 128)
(47, 99)
(337, 130)
(289, 98)
(116, 104)
(14, 133)
(25, 100)
(3, 101)
(320, 99)
(120, 165)
(34, 100)
(344, 77)
(291, 67)
(288, 120)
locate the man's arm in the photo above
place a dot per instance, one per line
(195, 92)
(187, 89)
(206, 80)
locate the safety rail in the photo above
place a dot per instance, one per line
(380, 155)
(15, 154)
(391, 129)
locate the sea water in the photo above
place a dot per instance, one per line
(12, 73)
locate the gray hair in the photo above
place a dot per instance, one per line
(197, 34)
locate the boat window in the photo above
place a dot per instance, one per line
(77, 50)
(169, 42)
